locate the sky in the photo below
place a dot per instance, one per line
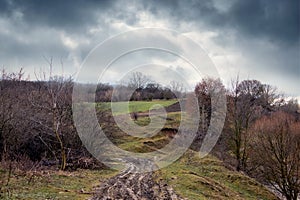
(255, 39)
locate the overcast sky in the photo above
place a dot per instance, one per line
(258, 39)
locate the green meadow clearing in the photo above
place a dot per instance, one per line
(134, 106)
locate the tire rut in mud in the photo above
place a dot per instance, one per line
(133, 185)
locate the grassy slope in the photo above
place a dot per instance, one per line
(52, 184)
(207, 178)
(141, 145)
(196, 178)
(134, 106)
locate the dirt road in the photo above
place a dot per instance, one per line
(133, 185)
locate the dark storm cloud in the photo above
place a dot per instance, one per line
(275, 20)
(189, 11)
(31, 30)
(68, 15)
(29, 50)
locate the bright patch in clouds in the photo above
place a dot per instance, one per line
(69, 42)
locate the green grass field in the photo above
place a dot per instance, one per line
(134, 106)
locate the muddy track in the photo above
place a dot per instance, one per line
(133, 185)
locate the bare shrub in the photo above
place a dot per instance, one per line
(276, 147)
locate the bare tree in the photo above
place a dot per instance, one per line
(248, 100)
(290, 106)
(138, 80)
(204, 91)
(177, 88)
(9, 100)
(54, 99)
(276, 140)
(268, 96)
(242, 111)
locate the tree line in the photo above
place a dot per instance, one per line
(144, 89)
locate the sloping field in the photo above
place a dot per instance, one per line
(134, 106)
(207, 178)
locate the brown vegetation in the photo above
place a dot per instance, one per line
(276, 147)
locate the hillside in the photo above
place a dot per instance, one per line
(195, 178)
(189, 177)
